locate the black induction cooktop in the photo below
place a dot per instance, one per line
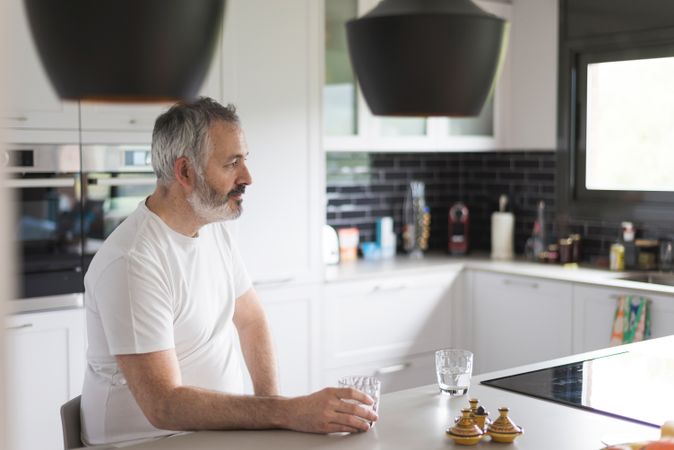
(633, 386)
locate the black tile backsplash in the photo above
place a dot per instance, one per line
(364, 186)
(477, 179)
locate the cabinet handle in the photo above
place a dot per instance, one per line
(130, 181)
(19, 118)
(272, 281)
(379, 288)
(21, 327)
(18, 183)
(521, 283)
(132, 121)
(393, 369)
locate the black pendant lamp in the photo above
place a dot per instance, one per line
(426, 57)
(126, 50)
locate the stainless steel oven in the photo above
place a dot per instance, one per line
(44, 184)
(116, 178)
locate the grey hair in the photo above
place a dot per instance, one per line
(183, 131)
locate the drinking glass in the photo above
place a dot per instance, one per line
(454, 368)
(369, 385)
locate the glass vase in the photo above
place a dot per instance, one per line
(416, 221)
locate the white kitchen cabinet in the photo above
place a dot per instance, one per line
(271, 74)
(349, 125)
(594, 311)
(32, 111)
(531, 122)
(45, 364)
(519, 320)
(383, 326)
(292, 314)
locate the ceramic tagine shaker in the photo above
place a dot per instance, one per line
(479, 414)
(503, 429)
(465, 432)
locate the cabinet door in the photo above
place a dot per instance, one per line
(32, 101)
(532, 113)
(278, 103)
(290, 312)
(365, 321)
(45, 368)
(395, 374)
(594, 311)
(519, 320)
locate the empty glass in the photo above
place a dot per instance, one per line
(454, 368)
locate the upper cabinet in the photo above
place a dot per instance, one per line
(348, 124)
(32, 103)
(532, 118)
(270, 72)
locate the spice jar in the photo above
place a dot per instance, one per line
(647, 254)
(576, 252)
(566, 250)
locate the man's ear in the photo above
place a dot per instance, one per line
(184, 172)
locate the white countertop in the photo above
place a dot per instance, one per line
(417, 419)
(438, 262)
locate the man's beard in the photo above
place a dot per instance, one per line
(211, 206)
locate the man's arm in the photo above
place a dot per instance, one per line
(256, 343)
(155, 382)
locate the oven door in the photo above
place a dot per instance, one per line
(44, 184)
(116, 180)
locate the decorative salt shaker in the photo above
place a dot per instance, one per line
(465, 432)
(503, 429)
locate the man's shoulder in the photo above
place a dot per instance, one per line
(134, 236)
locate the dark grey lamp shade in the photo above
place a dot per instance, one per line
(426, 57)
(126, 50)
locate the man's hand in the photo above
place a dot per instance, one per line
(331, 410)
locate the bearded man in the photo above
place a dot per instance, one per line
(167, 294)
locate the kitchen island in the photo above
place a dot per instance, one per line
(417, 419)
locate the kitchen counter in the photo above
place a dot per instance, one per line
(417, 419)
(437, 262)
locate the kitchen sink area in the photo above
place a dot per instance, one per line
(666, 279)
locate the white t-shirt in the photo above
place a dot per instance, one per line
(150, 288)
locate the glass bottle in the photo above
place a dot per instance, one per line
(536, 243)
(416, 220)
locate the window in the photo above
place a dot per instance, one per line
(630, 125)
(621, 139)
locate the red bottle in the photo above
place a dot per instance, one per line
(459, 221)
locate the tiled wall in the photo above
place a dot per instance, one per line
(362, 187)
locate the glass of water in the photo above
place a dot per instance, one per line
(369, 385)
(454, 368)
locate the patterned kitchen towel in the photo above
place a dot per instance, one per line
(632, 321)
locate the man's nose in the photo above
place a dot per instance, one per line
(245, 177)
